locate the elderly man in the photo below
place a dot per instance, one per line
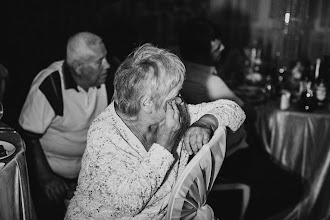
(62, 102)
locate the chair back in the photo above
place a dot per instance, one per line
(189, 195)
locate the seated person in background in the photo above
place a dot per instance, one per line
(62, 102)
(232, 67)
(200, 48)
(138, 147)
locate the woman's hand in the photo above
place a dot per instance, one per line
(169, 128)
(195, 137)
(199, 133)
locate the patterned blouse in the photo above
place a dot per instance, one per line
(119, 179)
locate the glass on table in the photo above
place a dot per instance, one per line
(285, 100)
(1, 110)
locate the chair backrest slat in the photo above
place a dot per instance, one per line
(189, 195)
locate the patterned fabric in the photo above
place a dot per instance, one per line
(119, 179)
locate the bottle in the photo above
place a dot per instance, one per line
(280, 82)
(320, 85)
(255, 57)
(307, 98)
(320, 93)
(270, 90)
(317, 68)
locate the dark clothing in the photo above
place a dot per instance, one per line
(273, 189)
(47, 209)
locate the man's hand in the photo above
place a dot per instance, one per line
(169, 128)
(199, 133)
(54, 187)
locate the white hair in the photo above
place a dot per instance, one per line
(80, 47)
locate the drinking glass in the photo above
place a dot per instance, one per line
(1, 110)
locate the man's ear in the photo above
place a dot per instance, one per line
(76, 65)
(146, 104)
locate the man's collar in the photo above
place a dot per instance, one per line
(69, 81)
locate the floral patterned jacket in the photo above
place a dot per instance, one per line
(119, 179)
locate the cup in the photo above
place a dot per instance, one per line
(285, 100)
(1, 110)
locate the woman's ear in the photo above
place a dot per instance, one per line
(146, 104)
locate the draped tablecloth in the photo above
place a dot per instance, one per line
(301, 142)
(15, 197)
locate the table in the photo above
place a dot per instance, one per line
(300, 141)
(15, 197)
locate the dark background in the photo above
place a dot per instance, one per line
(34, 33)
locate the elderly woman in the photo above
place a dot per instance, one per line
(138, 147)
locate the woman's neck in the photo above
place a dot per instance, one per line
(145, 133)
(140, 128)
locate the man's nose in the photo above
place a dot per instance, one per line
(106, 65)
(222, 47)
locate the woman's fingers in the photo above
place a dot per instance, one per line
(172, 115)
(176, 114)
(187, 144)
(206, 138)
(199, 141)
(191, 143)
(195, 138)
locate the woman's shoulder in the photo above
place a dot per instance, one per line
(107, 127)
(105, 123)
(103, 136)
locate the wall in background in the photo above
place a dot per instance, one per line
(34, 33)
(305, 36)
(241, 22)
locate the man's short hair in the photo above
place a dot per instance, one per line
(147, 71)
(81, 46)
(195, 38)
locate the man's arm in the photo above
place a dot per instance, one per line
(37, 157)
(218, 89)
(53, 186)
(43, 103)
